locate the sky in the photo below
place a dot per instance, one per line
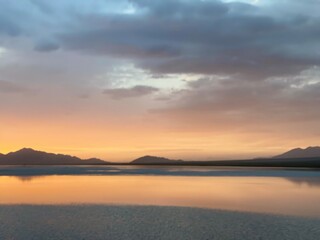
(189, 79)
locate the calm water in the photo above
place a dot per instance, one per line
(278, 191)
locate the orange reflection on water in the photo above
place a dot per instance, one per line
(257, 194)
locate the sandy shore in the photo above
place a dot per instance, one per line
(139, 223)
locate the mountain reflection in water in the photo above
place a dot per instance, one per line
(292, 192)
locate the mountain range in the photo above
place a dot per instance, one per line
(309, 152)
(28, 156)
(308, 157)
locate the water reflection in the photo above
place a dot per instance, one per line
(309, 181)
(256, 194)
(310, 177)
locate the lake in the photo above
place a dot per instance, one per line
(258, 190)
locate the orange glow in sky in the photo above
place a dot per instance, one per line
(130, 79)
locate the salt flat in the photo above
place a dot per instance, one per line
(83, 222)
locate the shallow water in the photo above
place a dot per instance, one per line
(279, 191)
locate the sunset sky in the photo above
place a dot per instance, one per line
(190, 79)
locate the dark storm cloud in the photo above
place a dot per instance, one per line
(209, 37)
(133, 92)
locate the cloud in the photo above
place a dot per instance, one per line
(46, 46)
(203, 66)
(206, 37)
(251, 41)
(133, 92)
(8, 26)
(275, 105)
(10, 87)
(43, 6)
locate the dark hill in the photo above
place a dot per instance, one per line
(311, 162)
(154, 160)
(28, 156)
(309, 152)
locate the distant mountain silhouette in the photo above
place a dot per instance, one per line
(311, 162)
(154, 160)
(309, 157)
(309, 152)
(28, 156)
